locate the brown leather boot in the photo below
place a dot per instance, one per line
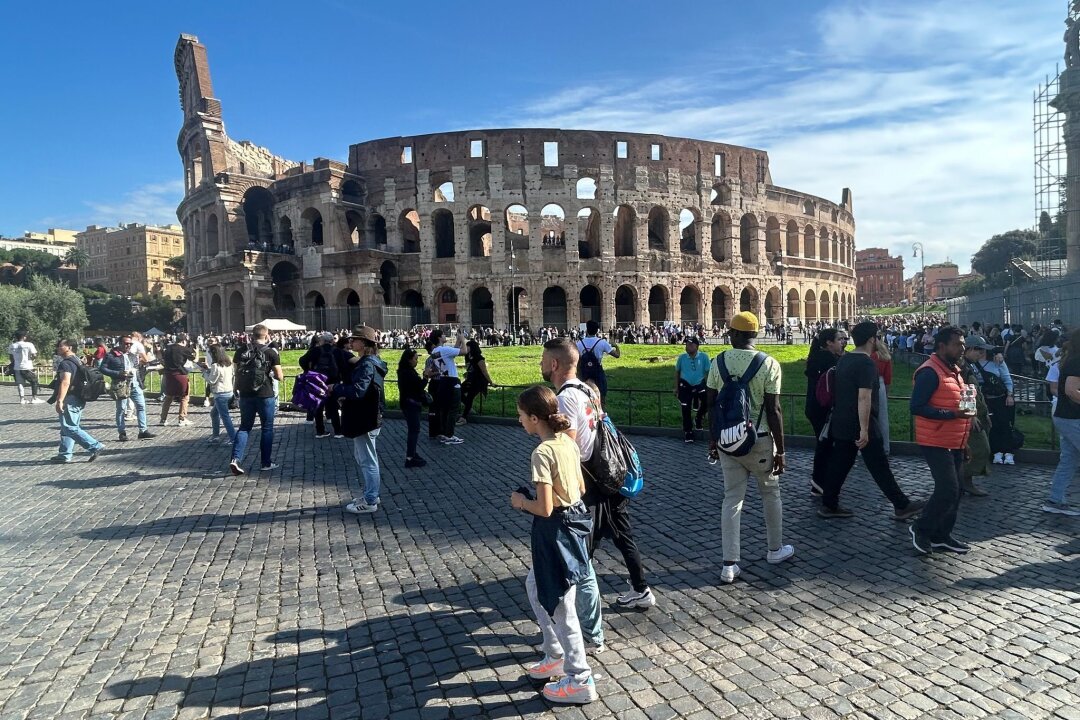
(968, 485)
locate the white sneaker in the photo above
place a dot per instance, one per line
(778, 556)
(268, 468)
(729, 573)
(998, 459)
(634, 599)
(567, 691)
(184, 423)
(547, 668)
(359, 507)
(24, 401)
(454, 440)
(36, 401)
(461, 421)
(1009, 459)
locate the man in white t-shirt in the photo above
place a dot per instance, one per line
(22, 353)
(441, 370)
(592, 369)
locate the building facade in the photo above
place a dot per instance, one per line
(940, 278)
(132, 259)
(498, 228)
(54, 241)
(880, 277)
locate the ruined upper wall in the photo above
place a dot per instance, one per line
(247, 158)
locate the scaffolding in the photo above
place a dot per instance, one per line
(1051, 169)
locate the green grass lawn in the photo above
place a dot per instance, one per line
(641, 384)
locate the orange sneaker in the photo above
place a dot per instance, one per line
(546, 669)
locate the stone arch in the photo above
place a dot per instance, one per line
(284, 278)
(196, 231)
(444, 193)
(824, 253)
(313, 226)
(748, 227)
(810, 314)
(721, 235)
(625, 305)
(658, 228)
(388, 274)
(586, 188)
(793, 239)
(409, 227)
(748, 299)
(517, 306)
(690, 231)
(258, 206)
(826, 305)
(836, 306)
(625, 231)
(591, 300)
(658, 304)
(554, 307)
(411, 299)
(354, 222)
(517, 228)
(285, 235)
(690, 305)
(237, 314)
(442, 223)
(772, 235)
(793, 309)
(482, 307)
(376, 230)
(214, 323)
(446, 305)
(720, 194)
(588, 233)
(774, 307)
(553, 225)
(213, 247)
(809, 242)
(352, 191)
(314, 299)
(835, 242)
(808, 207)
(722, 306)
(479, 220)
(348, 298)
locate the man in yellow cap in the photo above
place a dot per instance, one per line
(764, 459)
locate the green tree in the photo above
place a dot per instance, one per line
(76, 257)
(12, 302)
(52, 311)
(994, 256)
(158, 311)
(36, 262)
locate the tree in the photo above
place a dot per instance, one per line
(76, 257)
(53, 311)
(993, 257)
(158, 311)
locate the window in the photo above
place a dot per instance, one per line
(551, 154)
(476, 148)
(654, 151)
(719, 164)
(620, 149)
(406, 155)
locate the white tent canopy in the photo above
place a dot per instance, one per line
(278, 325)
(154, 332)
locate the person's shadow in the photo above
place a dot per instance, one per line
(409, 659)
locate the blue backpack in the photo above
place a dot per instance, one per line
(730, 422)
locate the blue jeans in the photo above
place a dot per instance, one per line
(70, 432)
(368, 459)
(219, 415)
(588, 609)
(137, 399)
(1069, 435)
(249, 408)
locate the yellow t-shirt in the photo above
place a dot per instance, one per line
(557, 463)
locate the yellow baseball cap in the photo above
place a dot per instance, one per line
(745, 321)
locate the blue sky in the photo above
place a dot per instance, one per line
(923, 107)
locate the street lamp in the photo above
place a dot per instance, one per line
(919, 252)
(513, 294)
(778, 259)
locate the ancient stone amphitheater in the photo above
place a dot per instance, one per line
(498, 227)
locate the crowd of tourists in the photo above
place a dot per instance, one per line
(960, 401)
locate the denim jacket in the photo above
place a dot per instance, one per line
(559, 556)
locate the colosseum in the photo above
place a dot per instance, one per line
(498, 228)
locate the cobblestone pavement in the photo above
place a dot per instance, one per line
(152, 585)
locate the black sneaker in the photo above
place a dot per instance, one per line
(123, 437)
(836, 512)
(698, 424)
(416, 462)
(688, 437)
(146, 435)
(94, 454)
(913, 508)
(951, 544)
(919, 541)
(815, 490)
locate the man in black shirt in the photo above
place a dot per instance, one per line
(853, 429)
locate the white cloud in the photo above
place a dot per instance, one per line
(923, 109)
(151, 204)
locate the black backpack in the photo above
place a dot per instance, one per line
(588, 365)
(730, 422)
(326, 364)
(608, 465)
(252, 369)
(88, 383)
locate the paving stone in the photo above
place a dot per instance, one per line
(152, 584)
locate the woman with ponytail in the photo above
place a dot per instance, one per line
(560, 526)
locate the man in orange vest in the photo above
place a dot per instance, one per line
(941, 431)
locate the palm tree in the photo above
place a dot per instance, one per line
(76, 257)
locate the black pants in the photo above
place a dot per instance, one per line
(691, 397)
(469, 391)
(329, 409)
(842, 459)
(1001, 425)
(449, 405)
(611, 518)
(412, 422)
(434, 422)
(822, 450)
(939, 515)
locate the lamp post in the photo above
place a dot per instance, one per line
(778, 258)
(513, 294)
(919, 252)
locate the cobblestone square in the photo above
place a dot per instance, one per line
(152, 584)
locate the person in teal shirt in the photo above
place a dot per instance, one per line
(691, 371)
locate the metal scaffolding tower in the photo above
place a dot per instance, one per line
(1051, 169)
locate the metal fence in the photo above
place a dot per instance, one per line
(1026, 305)
(384, 318)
